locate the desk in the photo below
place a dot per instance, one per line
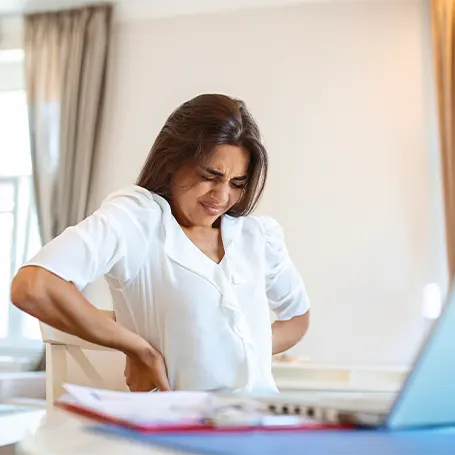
(15, 426)
(61, 433)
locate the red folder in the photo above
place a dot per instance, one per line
(199, 427)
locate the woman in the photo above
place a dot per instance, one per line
(192, 276)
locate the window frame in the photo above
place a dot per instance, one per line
(15, 344)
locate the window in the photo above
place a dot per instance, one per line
(19, 235)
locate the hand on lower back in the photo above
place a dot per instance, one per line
(145, 373)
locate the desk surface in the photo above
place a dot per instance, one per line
(16, 426)
(61, 433)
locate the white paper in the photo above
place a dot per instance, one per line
(143, 408)
(177, 408)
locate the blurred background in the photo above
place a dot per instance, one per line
(345, 93)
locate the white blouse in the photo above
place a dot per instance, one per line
(210, 321)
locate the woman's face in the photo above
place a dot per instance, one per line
(201, 194)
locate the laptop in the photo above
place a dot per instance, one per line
(426, 398)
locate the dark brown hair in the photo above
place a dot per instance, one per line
(192, 132)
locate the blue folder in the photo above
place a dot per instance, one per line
(321, 442)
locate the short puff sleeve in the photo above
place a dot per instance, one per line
(285, 289)
(112, 241)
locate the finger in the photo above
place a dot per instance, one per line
(163, 384)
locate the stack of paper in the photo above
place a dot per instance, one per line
(141, 409)
(177, 411)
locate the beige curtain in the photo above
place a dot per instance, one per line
(443, 26)
(66, 56)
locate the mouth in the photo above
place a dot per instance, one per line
(212, 209)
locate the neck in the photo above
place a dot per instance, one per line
(193, 228)
(185, 223)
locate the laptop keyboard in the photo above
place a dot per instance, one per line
(329, 406)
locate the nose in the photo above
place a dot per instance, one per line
(220, 193)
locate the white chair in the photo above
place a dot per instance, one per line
(71, 359)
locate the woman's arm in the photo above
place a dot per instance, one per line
(286, 334)
(112, 241)
(58, 303)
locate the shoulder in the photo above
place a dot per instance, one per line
(263, 225)
(131, 205)
(130, 197)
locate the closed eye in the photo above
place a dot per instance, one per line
(239, 186)
(208, 178)
(210, 175)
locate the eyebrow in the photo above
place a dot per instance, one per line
(220, 174)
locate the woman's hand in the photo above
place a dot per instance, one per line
(146, 371)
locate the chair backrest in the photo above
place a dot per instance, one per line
(71, 359)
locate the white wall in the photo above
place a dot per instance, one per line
(339, 91)
(11, 32)
(11, 60)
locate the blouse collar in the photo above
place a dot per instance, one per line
(182, 250)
